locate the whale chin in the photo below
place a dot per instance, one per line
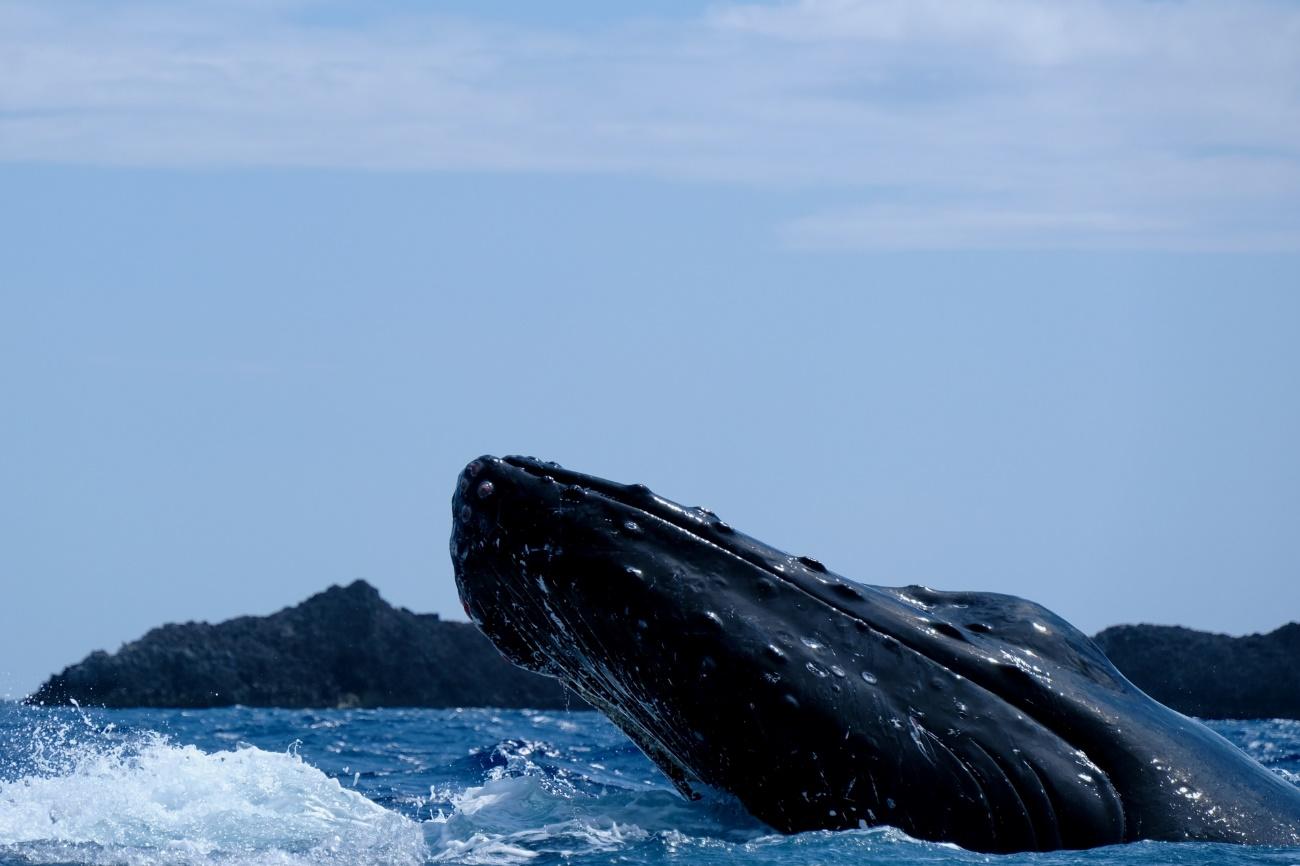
(821, 703)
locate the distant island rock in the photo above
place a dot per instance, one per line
(347, 647)
(1211, 675)
(344, 647)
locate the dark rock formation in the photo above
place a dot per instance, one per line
(345, 647)
(1211, 675)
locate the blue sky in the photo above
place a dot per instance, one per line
(1001, 295)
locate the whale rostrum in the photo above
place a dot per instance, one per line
(820, 703)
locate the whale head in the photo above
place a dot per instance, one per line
(818, 702)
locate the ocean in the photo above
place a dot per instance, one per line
(408, 786)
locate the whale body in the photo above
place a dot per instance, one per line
(820, 703)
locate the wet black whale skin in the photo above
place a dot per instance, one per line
(820, 703)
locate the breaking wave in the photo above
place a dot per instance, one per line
(243, 787)
(91, 797)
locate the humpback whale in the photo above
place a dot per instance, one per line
(974, 718)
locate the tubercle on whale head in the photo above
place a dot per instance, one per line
(685, 632)
(526, 479)
(542, 497)
(539, 534)
(517, 521)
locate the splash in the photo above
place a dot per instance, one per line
(511, 819)
(525, 809)
(101, 798)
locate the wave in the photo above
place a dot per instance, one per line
(142, 800)
(72, 792)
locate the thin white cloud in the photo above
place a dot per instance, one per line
(983, 122)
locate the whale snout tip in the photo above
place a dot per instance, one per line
(475, 485)
(488, 480)
(493, 492)
(474, 468)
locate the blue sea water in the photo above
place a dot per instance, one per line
(359, 787)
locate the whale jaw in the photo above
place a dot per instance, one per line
(820, 703)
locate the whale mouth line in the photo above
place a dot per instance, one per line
(700, 523)
(634, 496)
(901, 620)
(799, 572)
(627, 596)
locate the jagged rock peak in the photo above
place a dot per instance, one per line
(344, 646)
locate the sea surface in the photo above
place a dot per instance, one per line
(360, 787)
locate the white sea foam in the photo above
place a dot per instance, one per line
(75, 792)
(90, 795)
(144, 801)
(512, 819)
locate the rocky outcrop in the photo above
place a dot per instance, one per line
(1211, 675)
(345, 647)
